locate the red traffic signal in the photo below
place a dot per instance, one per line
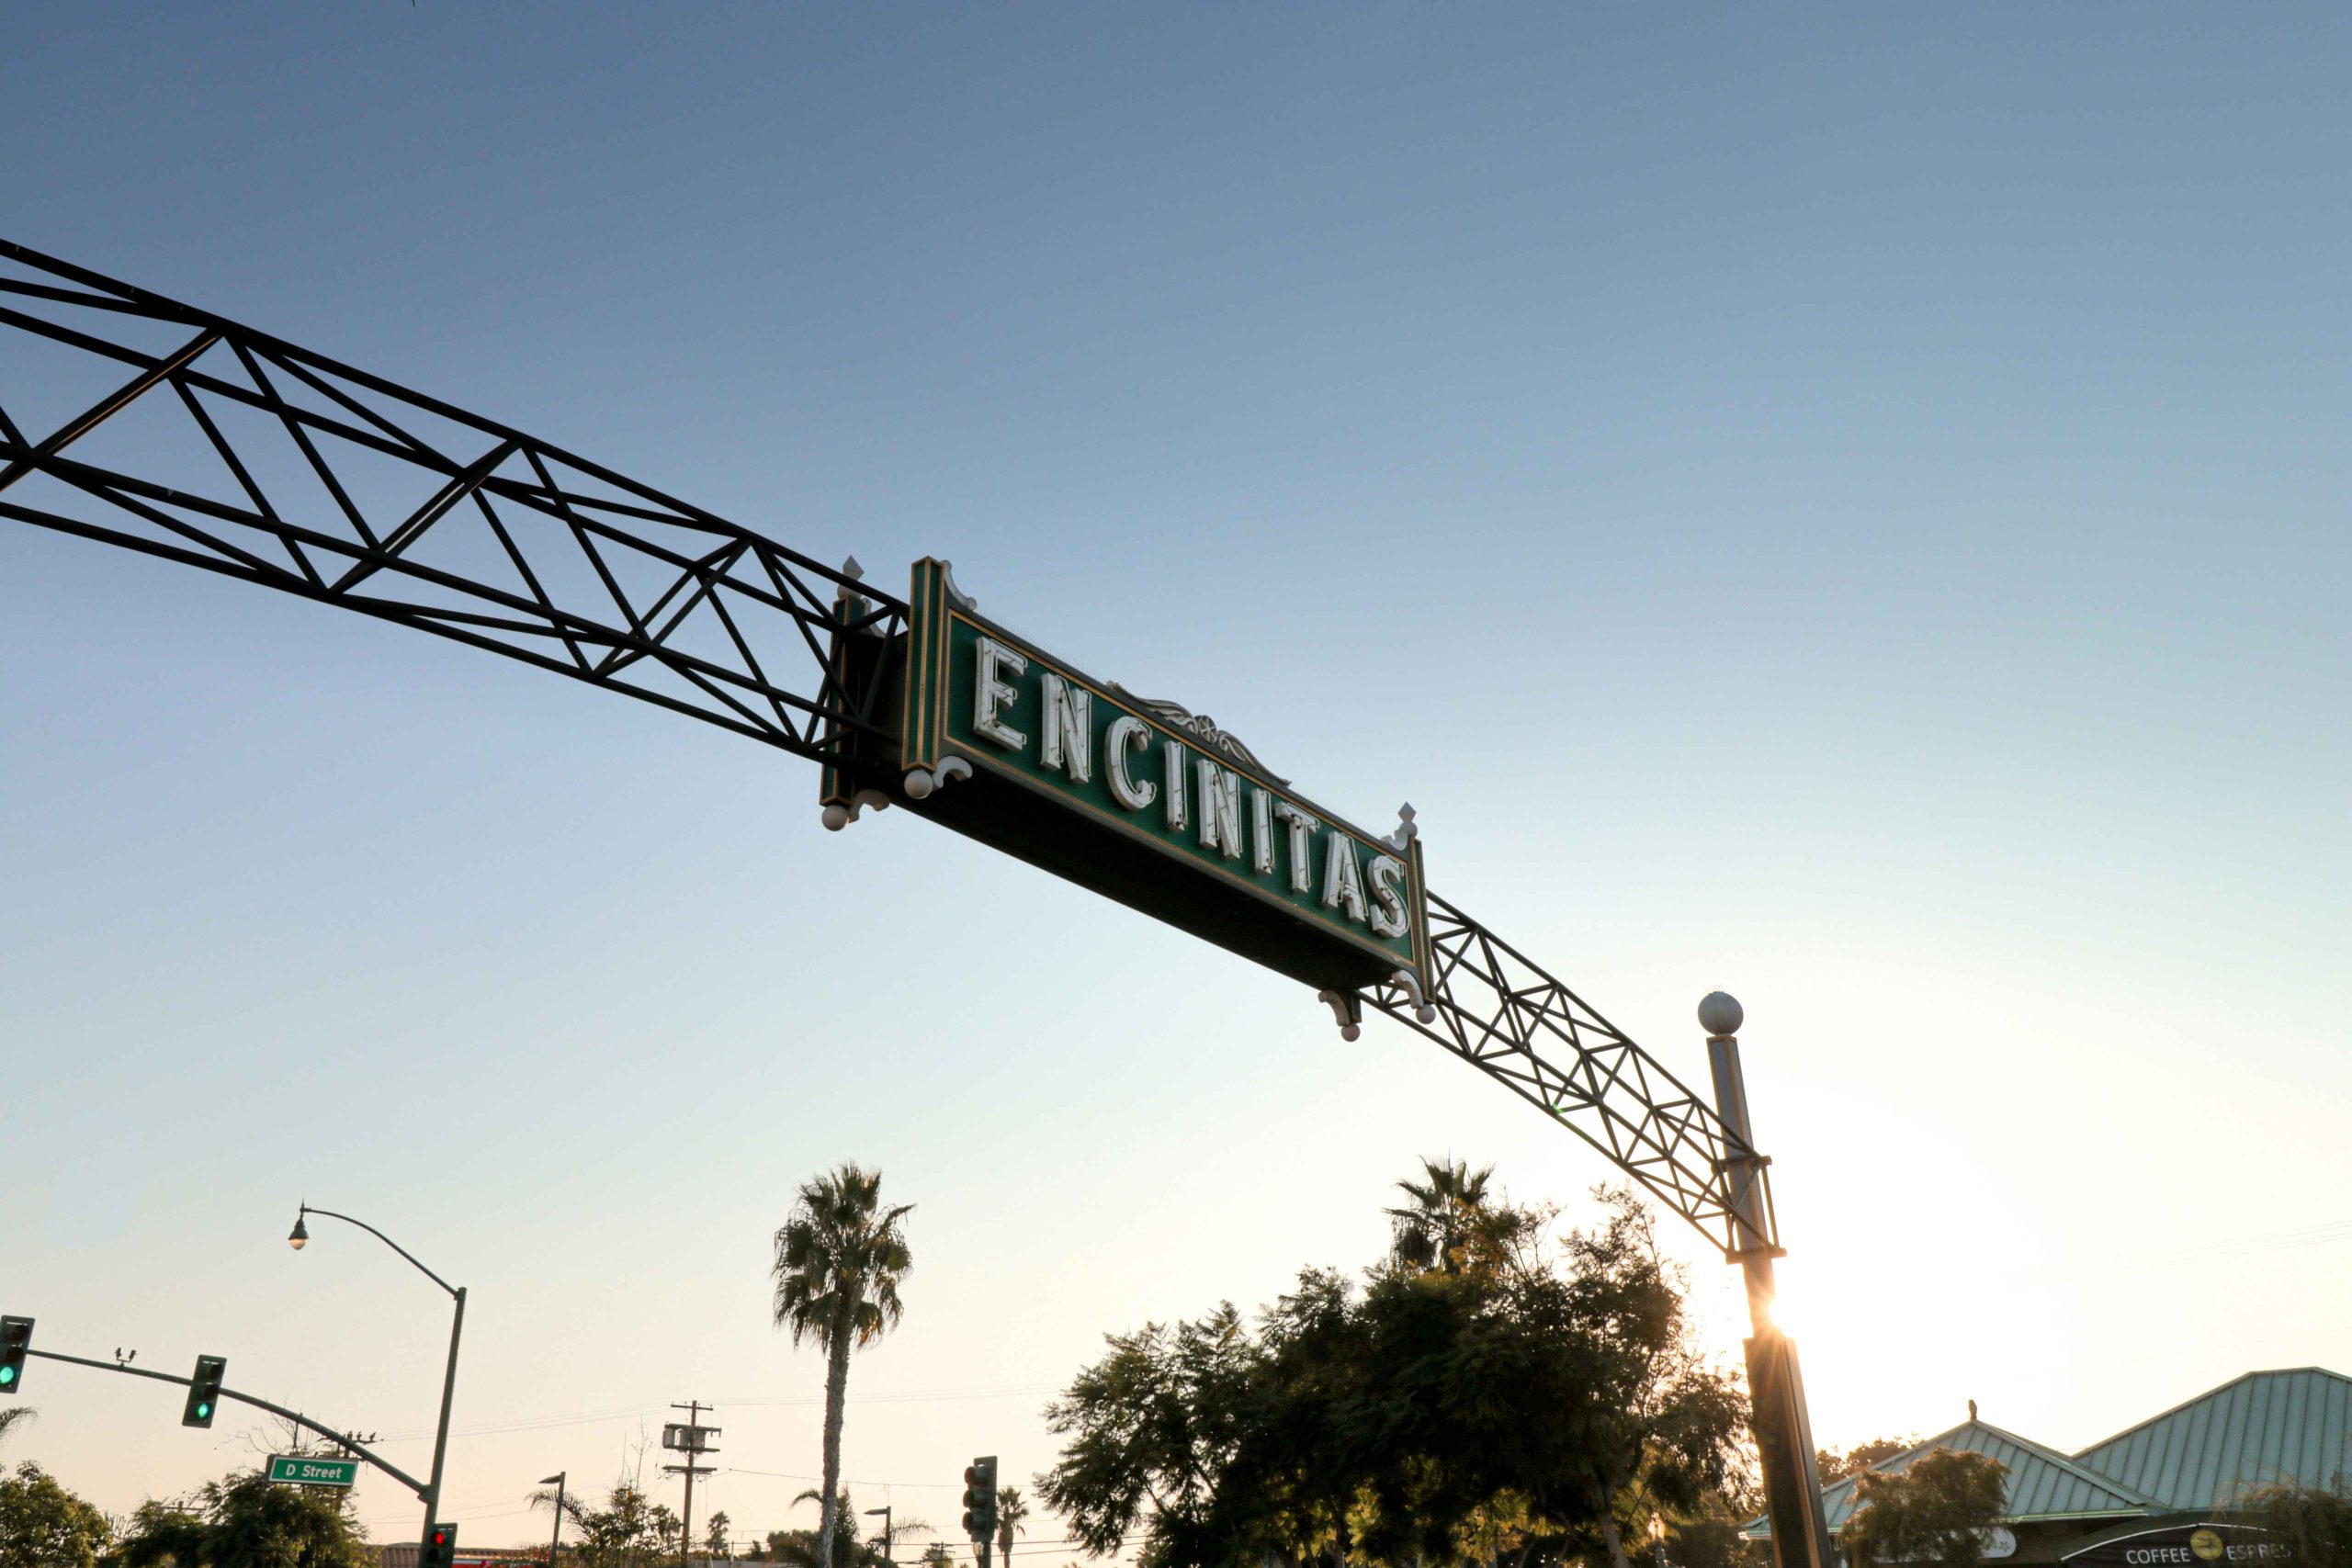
(440, 1547)
(979, 1499)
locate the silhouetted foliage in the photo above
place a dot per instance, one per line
(1835, 1464)
(247, 1521)
(44, 1526)
(2314, 1523)
(1475, 1400)
(1931, 1511)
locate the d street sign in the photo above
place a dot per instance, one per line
(297, 1471)
(1139, 800)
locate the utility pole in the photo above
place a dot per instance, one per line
(692, 1438)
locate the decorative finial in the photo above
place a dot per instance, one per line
(847, 597)
(1720, 1015)
(1402, 838)
(1972, 1410)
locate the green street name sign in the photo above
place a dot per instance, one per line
(297, 1471)
(1138, 799)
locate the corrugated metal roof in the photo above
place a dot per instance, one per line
(2042, 1484)
(2280, 1426)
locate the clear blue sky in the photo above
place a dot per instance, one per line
(1847, 507)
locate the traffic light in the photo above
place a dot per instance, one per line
(440, 1547)
(979, 1499)
(204, 1390)
(15, 1338)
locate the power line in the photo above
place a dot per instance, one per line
(622, 1412)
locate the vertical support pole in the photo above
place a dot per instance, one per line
(441, 1434)
(686, 1525)
(557, 1540)
(1775, 1385)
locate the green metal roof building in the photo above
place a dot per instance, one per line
(2158, 1493)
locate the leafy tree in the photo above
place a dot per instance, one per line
(938, 1554)
(1496, 1400)
(798, 1548)
(160, 1534)
(1010, 1511)
(2314, 1523)
(44, 1526)
(1153, 1427)
(839, 1259)
(667, 1528)
(247, 1521)
(1931, 1511)
(1835, 1465)
(1670, 1427)
(716, 1541)
(624, 1533)
(1710, 1536)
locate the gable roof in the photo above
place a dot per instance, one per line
(2292, 1424)
(2042, 1483)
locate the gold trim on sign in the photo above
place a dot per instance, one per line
(983, 753)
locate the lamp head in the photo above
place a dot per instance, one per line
(301, 1235)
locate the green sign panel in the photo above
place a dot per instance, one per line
(1138, 799)
(300, 1472)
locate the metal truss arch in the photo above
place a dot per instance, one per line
(421, 513)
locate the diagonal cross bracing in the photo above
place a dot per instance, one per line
(542, 567)
(517, 547)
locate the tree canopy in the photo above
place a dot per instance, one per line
(1835, 1464)
(1933, 1511)
(44, 1526)
(2314, 1523)
(247, 1521)
(1481, 1395)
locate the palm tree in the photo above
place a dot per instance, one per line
(839, 1259)
(1435, 1235)
(1010, 1511)
(10, 1419)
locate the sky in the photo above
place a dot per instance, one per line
(1846, 507)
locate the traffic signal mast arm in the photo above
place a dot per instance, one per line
(343, 1439)
(439, 519)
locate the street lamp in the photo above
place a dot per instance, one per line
(885, 1512)
(555, 1481)
(300, 1237)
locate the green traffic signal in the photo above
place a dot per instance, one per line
(15, 1341)
(203, 1390)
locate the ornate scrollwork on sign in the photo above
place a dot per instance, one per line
(1201, 728)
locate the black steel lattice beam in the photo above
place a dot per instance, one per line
(1500, 1012)
(662, 601)
(1495, 1008)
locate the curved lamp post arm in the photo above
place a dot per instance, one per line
(431, 1491)
(388, 1241)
